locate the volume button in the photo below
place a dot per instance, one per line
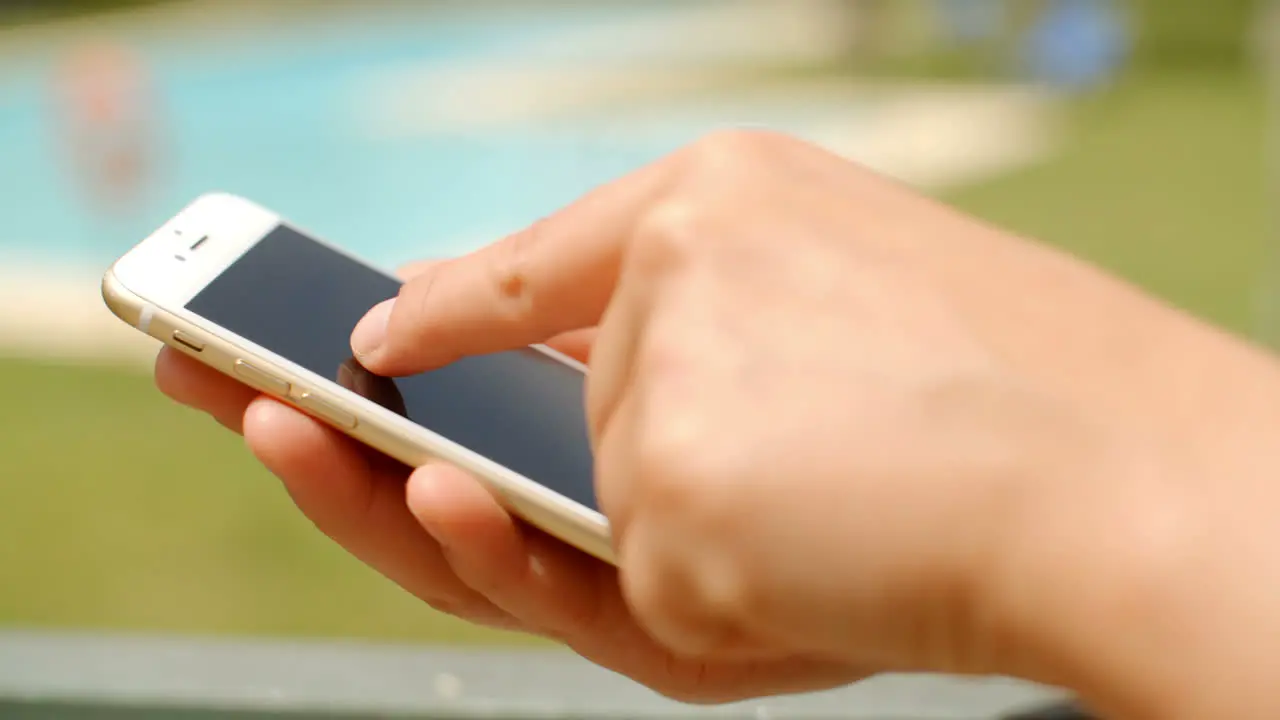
(261, 379)
(187, 341)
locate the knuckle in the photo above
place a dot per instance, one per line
(729, 149)
(668, 235)
(659, 585)
(692, 602)
(694, 485)
(667, 471)
(719, 173)
(681, 474)
(642, 583)
(719, 595)
(698, 509)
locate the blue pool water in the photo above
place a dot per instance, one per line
(270, 116)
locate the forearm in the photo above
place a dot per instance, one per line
(1151, 581)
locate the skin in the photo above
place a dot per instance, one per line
(840, 429)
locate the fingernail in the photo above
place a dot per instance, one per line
(371, 331)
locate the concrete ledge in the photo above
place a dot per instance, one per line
(117, 676)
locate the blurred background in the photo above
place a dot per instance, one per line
(1133, 133)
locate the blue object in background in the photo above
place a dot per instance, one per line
(1077, 44)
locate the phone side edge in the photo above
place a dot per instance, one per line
(122, 302)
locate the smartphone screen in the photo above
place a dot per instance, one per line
(301, 299)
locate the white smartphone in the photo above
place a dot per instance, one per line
(233, 285)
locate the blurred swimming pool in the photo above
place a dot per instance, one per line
(274, 116)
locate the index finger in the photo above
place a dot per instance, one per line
(552, 277)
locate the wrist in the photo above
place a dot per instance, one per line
(1085, 581)
(1142, 576)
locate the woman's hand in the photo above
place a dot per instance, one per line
(833, 417)
(839, 429)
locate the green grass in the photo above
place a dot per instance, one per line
(120, 511)
(1162, 181)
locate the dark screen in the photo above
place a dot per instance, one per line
(301, 300)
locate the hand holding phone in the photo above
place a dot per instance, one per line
(819, 427)
(234, 286)
(439, 531)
